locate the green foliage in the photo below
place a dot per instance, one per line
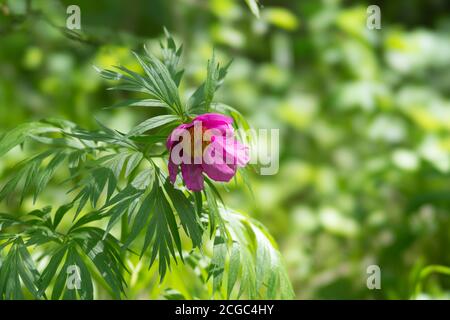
(18, 266)
(75, 248)
(201, 99)
(424, 273)
(363, 117)
(252, 259)
(115, 178)
(18, 135)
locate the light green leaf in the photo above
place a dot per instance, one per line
(281, 17)
(139, 103)
(133, 162)
(20, 133)
(152, 123)
(254, 7)
(233, 269)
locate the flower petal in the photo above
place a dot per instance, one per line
(233, 152)
(220, 172)
(174, 137)
(220, 123)
(215, 166)
(173, 170)
(214, 117)
(240, 152)
(192, 176)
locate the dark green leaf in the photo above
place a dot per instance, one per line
(188, 218)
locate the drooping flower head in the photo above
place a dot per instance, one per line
(205, 145)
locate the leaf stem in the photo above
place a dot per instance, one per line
(123, 237)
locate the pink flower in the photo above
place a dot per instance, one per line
(205, 145)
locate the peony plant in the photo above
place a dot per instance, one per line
(126, 203)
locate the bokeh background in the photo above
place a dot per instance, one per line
(364, 119)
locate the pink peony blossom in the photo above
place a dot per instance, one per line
(205, 145)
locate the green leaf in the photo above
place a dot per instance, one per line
(117, 163)
(59, 215)
(150, 139)
(281, 17)
(20, 133)
(198, 202)
(101, 178)
(121, 204)
(74, 280)
(233, 269)
(7, 220)
(172, 294)
(51, 269)
(152, 123)
(252, 256)
(105, 255)
(142, 179)
(254, 7)
(88, 218)
(218, 261)
(34, 174)
(215, 218)
(171, 57)
(425, 272)
(60, 283)
(165, 82)
(108, 74)
(133, 162)
(130, 87)
(131, 81)
(16, 268)
(139, 103)
(160, 80)
(47, 173)
(27, 269)
(201, 99)
(189, 220)
(9, 277)
(116, 137)
(141, 218)
(213, 210)
(86, 290)
(211, 82)
(162, 232)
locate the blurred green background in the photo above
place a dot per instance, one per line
(364, 118)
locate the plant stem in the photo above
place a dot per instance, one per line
(123, 236)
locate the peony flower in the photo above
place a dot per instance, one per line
(205, 145)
